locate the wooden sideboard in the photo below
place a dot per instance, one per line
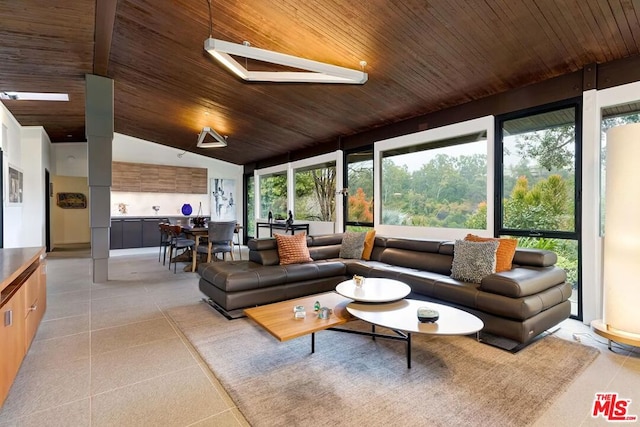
(23, 301)
(143, 177)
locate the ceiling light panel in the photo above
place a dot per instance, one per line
(315, 72)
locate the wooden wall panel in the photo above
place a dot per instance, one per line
(125, 176)
(198, 181)
(142, 177)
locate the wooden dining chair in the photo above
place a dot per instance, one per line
(219, 239)
(165, 242)
(178, 242)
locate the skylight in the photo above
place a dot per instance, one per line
(33, 96)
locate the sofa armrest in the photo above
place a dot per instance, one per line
(523, 281)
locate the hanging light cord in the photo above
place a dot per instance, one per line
(210, 20)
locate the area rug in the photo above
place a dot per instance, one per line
(353, 380)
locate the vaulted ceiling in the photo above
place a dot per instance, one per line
(422, 56)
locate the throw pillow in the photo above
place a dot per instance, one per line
(473, 260)
(504, 254)
(369, 240)
(292, 249)
(352, 245)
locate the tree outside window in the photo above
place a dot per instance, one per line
(437, 184)
(315, 198)
(273, 195)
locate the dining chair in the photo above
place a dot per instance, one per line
(237, 237)
(165, 241)
(178, 242)
(219, 239)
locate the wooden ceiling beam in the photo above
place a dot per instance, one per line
(105, 19)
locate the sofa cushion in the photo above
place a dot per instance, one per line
(504, 254)
(293, 249)
(535, 257)
(473, 260)
(369, 240)
(236, 276)
(523, 281)
(352, 245)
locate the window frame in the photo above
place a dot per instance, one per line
(576, 234)
(484, 124)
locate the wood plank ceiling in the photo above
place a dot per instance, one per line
(422, 56)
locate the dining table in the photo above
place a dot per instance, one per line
(196, 233)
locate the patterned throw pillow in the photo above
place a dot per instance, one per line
(473, 260)
(292, 249)
(352, 245)
(504, 254)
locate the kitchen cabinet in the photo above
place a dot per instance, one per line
(115, 233)
(142, 177)
(22, 305)
(150, 232)
(135, 232)
(131, 233)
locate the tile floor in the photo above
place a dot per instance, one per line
(106, 355)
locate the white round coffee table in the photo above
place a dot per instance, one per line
(377, 290)
(402, 318)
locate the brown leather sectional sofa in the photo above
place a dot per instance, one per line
(518, 304)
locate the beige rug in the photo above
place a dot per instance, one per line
(352, 380)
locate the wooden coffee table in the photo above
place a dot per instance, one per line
(398, 316)
(278, 319)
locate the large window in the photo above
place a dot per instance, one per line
(359, 181)
(539, 183)
(315, 196)
(250, 194)
(273, 195)
(436, 184)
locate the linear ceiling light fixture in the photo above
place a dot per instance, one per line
(33, 96)
(315, 72)
(219, 140)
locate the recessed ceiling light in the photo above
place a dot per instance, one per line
(34, 96)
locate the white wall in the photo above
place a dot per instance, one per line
(28, 150)
(69, 159)
(36, 153)
(12, 155)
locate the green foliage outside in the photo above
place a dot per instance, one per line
(250, 228)
(273, 196)
(315, 198)
(360, 201)
(444, 192)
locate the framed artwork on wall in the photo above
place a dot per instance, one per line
(71, 200)
(15, 186)
(223, 202)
